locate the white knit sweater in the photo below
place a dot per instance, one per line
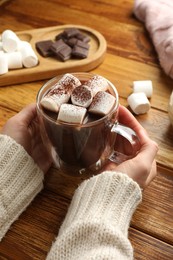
(97, 222)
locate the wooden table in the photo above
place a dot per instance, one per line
(130, 56)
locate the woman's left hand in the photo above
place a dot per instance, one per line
(24, 129)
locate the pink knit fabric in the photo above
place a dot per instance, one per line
(158, 18)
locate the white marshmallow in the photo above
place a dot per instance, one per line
(71, 114)
(97, 83)
(57, 97)
(102, 103)
(1, 48)
(29, 58)
(81, 96)
(69, 81)
(50, 104)
(139, 103)
(10, 41)
(3, 64)
(14, 60)
(143, 86)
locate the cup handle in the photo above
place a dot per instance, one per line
(132, 138)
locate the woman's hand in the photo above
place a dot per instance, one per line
(24, 129)
(141, 168)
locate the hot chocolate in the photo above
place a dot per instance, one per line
(71, 111)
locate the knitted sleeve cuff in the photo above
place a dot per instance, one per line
(20, 181)
(110, 196)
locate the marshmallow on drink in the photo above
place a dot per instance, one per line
(3, 64)
(143, 86)
(10, 41)
(139, 103)
(97, 83)
(14, 60)
(69, 113)
(60, 92)
(102, 103)
(50, 104)
(69, 82)
(81, 96)
(54, 99)
(29, 58)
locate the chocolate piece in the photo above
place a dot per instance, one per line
(61, 36)
(79, 52)
(82, 44)
(65, 53)
(43, 47)
(61, 50)
(57, 46)
(70, 32)
(72, 41)
(83, 37)
(64, 42)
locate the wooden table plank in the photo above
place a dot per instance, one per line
(147, 247)
(155, 215)
(130, 56)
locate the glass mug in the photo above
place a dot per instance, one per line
(84, 149)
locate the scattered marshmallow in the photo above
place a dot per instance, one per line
(102, 103)
(71, 114)
(143, 86)
(97, 83)
(29, 58)
(3, 64)
(10, 41)
(139, 103)
(1, 47)
(14, 60)
(81, 96)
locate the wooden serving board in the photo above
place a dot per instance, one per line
(49, 67)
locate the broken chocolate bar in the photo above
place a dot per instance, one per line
(57, 46)
(71, 43)
(83, 37)
(61, 50)
(79, 52)
(65, 53)
(43, 47)
(71, 32)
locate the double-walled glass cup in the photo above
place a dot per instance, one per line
(84, 148)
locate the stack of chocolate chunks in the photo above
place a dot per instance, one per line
(69, 44)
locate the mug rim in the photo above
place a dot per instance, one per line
(74, 124)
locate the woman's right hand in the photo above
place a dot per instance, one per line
(141, 168)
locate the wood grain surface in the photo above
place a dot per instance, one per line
(130, 56)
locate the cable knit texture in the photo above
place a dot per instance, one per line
(20, 181)
(97, 222)
(157, 16)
